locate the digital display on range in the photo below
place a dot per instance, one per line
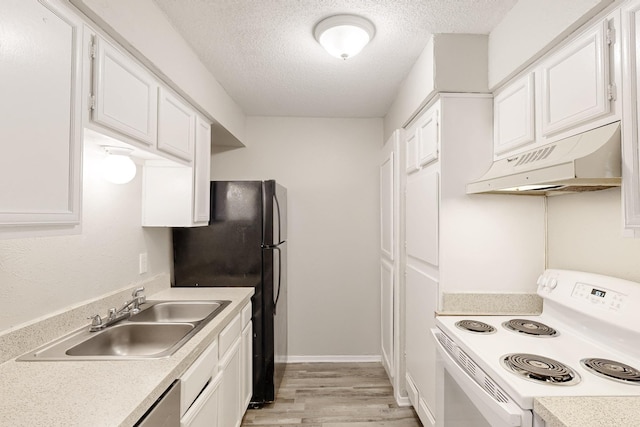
(598, 292)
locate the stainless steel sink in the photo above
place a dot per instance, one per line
(178, 311)
(133, 339)
(159, 330)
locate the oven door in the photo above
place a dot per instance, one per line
(462, 402)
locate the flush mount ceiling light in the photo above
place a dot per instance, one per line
(344, 36)
(118, 167)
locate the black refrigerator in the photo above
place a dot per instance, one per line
(245, 244)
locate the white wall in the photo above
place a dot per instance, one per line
(585, 233)
(40, 276)
(530, 28)
(330, 168)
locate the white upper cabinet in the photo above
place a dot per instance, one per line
(571, 90)
(411, 149)
(513, 112)
(575, 82)
(40, 114)
(175, 195)
(428, 137)
(175, 126)
(126, 95)
(202, 172)
(421, 143)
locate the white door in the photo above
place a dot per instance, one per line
(575, 82)
(202, 172)
(126, 95)
(229, 412)
(428, 135)
(176, 124)
(421, 303)
(422, 215)
(389, 256)
(40, 113)
(513, 116)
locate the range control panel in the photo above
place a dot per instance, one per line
(599, 296)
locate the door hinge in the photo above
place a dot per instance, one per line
(611, 36)
(92, 102)
(92, 50)
(611, 92)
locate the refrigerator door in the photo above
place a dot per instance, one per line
(274, 282)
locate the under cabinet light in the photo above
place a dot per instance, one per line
(118, 167)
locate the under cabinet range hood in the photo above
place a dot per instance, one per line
(585, 162)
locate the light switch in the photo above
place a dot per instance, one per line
(142, 263)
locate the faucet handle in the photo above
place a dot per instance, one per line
(138, 293)
(96, 322)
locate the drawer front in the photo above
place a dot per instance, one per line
(229, 334)
(198, 374)
(204, 412)
(246, 315)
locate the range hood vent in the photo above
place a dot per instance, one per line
(588, 161)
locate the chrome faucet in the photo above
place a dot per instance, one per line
(114, 315)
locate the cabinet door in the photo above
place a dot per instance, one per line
(631, 118)
(411, 150)
(126, 95)
(387, 323)
(422, 216)
(247, 366)
(204, 411)
(575, 82)
(229, 412)
(175, 126)
(202, 172)
(428, 137)
(513, 116)
(387, 206)
(40, 114)
(421, 304)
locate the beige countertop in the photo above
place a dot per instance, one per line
(105, 393)
(589, 411)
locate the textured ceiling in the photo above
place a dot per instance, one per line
(265, 56)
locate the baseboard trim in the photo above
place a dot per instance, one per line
(333, 359)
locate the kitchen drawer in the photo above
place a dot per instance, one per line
(229, 335)
(197, 376)
(246, 315)
(204, 412)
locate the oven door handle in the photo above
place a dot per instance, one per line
(508, 413)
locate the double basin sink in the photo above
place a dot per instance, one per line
(158, 330)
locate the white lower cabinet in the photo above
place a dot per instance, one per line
(214, 390)
(203, 412)
(246, 356)
(229, 410)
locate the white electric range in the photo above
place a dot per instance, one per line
(586, 342)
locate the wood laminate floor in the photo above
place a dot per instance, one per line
(333, 395)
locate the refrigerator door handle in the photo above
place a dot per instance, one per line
(275, 303)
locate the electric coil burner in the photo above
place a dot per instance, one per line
(540, 369)
(612, 370)
(530, 327)
(475, 326)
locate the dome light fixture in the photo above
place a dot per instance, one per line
(118, 167)
(344, 36)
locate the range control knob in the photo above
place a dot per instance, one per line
(552, 283)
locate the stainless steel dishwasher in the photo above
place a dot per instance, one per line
(165, 412)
